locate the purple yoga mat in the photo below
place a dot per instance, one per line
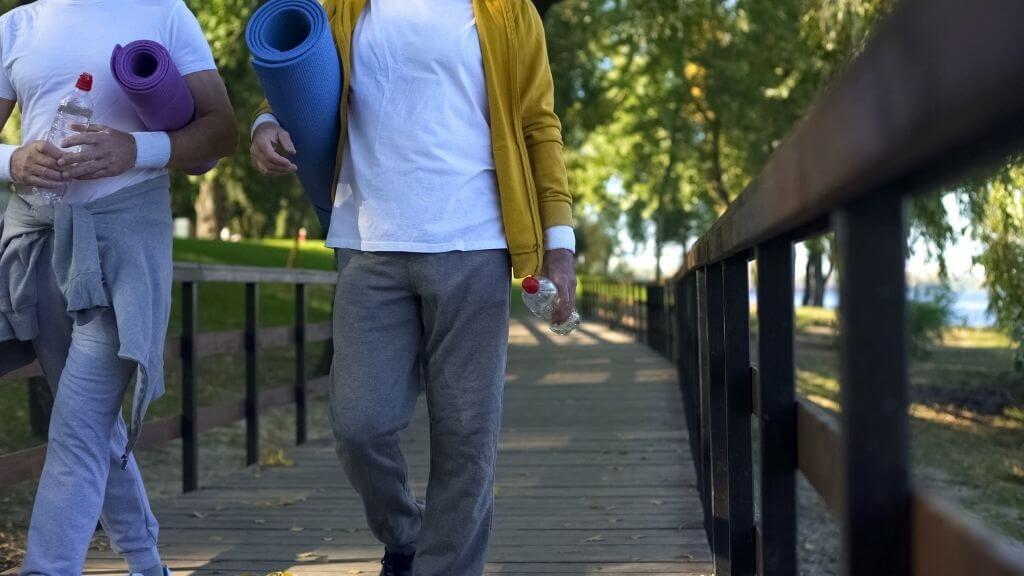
(150, 79)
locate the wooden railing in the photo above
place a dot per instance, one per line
(936, 93)
(192, 346)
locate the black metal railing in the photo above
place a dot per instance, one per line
(644, 310)
(190, 348)
(935, 94)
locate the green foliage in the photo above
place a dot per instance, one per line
(671, 107)
(256, 206)
(929, 310)
(995, 206)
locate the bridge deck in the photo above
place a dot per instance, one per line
(594, 477)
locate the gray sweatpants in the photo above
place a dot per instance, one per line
(82, 480)
(403, 321)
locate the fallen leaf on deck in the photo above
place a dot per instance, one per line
(280, 502)
(276, 459)
(198, 514)
(310, 557)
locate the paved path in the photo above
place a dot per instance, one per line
(594, 478)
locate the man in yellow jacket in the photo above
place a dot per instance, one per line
(450, 178)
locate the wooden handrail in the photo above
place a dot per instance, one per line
(936, 93)
(215, 273)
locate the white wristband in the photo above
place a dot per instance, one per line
(560, 238)
(153, 149)
(6, 153)
(261, 119)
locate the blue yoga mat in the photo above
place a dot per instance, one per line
(295, 58)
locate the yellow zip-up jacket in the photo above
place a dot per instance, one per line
(526, 134)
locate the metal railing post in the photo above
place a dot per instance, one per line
(252, 392)
(719, 409)
(656, 317)
(301, 418)
(875, 515)
(736, 312)
(40, 406)
(704, 375)
(777, 411)
(189, 404)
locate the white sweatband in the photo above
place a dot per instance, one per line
(560, 238)
(6, 153)
(152, 149)
(261, 119)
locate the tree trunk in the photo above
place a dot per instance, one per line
(823, 287)
(657, 258)
(814, 275)
(808, 273)
(210, 209)
(819, 286)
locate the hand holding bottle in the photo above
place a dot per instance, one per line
(35, 164)
(541, 297)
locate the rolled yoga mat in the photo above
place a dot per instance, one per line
(295, 58)
(149, 77)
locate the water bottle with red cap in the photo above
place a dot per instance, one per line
(75, 108)
(541, 296)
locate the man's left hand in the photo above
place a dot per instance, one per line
(104, 152)
(560, 268)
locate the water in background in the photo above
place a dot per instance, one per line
(969, 309)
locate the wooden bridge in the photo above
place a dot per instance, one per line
(594, 477)
(623, 458)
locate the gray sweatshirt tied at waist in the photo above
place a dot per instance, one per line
(111, 252)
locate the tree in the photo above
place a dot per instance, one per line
(671, 107)
(994, 205)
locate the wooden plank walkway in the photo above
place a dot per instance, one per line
(594, 477)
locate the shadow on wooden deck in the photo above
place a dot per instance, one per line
(594, 477)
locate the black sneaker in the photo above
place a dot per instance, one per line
(396, 565)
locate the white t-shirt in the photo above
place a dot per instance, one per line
(418, 173)
(46, 45)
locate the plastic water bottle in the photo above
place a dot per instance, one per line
(75, 108)
(541, 296)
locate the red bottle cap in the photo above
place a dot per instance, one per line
(531, 285)
(84, 82)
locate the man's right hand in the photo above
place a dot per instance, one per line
(35, 164)
(270, 143)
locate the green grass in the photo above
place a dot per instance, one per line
(967, 414)
(222, 306)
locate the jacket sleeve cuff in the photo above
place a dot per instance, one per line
(6, 153)
(152, 149)
(560, 238)
(261, 119)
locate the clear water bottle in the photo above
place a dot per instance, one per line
(541, 296)
(75, 108)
